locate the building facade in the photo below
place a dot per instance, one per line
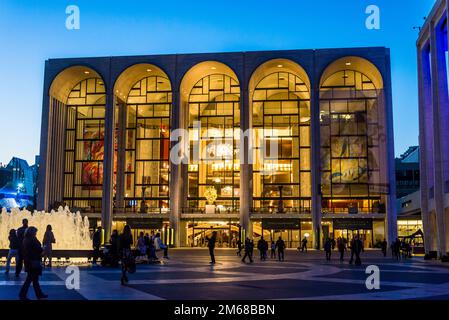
(18, 183)
(407, 172)
(111, 126)
(432, 52)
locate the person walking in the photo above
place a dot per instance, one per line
(211, 245)
(32, 256)
(304, 244)
(141, 245)
(96, 245)
(160, 245)
(356, 249)
(13, 249)
(47, 243)
(397, 249)
(115, 244)
(341, 246)
(249, 246)
(261, 244)
(20, 238)
(280, 246)
(328, 249)
(239, 247)
(126, 255)
(383, 246)
(273, 250)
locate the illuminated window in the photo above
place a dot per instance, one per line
(349, 122)
(84, 147)
(148, 144)
(214, 104)
(281, 119)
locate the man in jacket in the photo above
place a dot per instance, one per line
(280, 245)
(96, 244)
(20, 237)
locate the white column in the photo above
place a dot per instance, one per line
(315, 161)
(424, 90)
(246, 184)
(440, 104)
(108, 165)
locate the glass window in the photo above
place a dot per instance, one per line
(349, 152)
(281, 122)
(148, 145)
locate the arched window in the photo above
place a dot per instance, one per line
(214, 122)
(280, 104)
(84, 144)
(144, 92)
(350, 121)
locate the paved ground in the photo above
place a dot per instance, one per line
(188, 275)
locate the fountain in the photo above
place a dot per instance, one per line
(70, 229)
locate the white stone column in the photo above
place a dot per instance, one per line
(107, 205)
(175, 173)
(424, 90)
(315, 161)
(440, 106)
(246, 181)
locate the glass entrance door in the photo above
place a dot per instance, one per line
(198, 232)
(365, 235)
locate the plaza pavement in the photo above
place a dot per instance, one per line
(188, 275)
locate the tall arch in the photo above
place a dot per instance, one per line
(353, 131)
(144, 100)
(77, 111)
(210, 109)
(279, 93)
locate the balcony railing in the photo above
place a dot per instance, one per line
(285, 211)
(194, 210)
(147, 210)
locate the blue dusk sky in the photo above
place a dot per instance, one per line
(34, 30)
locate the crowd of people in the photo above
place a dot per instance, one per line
(31, 254)
(34, 256)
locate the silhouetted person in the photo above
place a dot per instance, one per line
(13, 249)
(328, 249)
(262, 246)
(20, 238)
(96, 245)
(356, 249)
(304, 244)
(211, 245)
(280, 246)
(47, 243)
(273, 250)
(115, 244)
(32, 256)
(383, 246)
(239, 247)
(126, 255)
(341, 245)
(249, 247)
(397, 249)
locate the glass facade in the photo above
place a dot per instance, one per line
(148, 145)
(214, 128)
(84, 145)
(349, 125)
(281, 120)
(280, 99)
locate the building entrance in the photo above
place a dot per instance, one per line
(365, 235)
(199, 231)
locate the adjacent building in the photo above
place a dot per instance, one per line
(18, 183)
(407, 172)
(110, 126)
(432, 52)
